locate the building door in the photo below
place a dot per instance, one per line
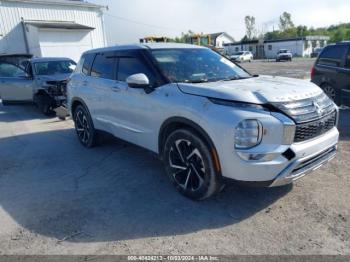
(64, 43)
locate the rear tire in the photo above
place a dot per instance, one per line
(329, 91)
(84, 127)
(190, 166)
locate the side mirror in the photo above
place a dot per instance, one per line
(138, 81)
(29, 76)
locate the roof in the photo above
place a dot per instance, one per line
(216, 35)
(280, 40)
(4, 55)
(48, 59)
(60, 2)
(153, 46)
(57, 24)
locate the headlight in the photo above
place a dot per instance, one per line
(248, 134)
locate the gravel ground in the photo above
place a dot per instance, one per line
(298, 68)
(58, 198)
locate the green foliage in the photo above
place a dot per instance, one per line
(336, 33)
(250, 27)
(286, 21)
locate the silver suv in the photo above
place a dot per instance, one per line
(208, 119)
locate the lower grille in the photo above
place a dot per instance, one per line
(315, 128)
(315, 161)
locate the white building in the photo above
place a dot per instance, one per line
(220, 39)
(59, 28)
(300, 47)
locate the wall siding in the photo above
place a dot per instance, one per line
(11, 32)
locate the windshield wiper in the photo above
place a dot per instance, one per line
(233, 78)
(196, 81)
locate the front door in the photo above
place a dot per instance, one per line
(15, 85)
(132, 109)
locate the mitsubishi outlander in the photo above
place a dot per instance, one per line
(208, 119)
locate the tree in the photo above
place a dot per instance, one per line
(250, 27)
(286, 21)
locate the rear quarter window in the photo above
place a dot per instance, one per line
(332, 55)
(87, 60)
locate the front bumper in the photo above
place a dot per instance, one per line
(305, 157)
(302, 167)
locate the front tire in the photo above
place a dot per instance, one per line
(84, 127)
(44, 105)
(5, 103)
(190, 166)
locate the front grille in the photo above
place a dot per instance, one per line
(315, 128)
(306, 110)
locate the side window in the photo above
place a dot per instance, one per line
(87, 62)
(333, 55)
(10, 70)
(347, 60)
(132, 65)
(104, 66)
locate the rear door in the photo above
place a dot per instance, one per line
(102, 81)
(329, 68)
(15, 85)
(344, 80)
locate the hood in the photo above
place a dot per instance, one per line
(58, 77)
(257, 90)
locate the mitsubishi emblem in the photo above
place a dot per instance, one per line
(318, 108)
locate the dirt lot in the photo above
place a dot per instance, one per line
(58, 198)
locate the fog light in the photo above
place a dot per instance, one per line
(261, 157)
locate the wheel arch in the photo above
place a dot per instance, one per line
(75, 102)
(173, 123)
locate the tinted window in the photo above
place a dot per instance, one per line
(10, 70)
(132, 65)
(104, 66)
(88, 59)
(332, 55)
(347, 60)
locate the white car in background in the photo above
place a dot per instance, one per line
(284, 55)
(242, 56)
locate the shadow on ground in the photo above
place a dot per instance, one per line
(52, 186)
(20, 112)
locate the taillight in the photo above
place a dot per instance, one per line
(312, 73)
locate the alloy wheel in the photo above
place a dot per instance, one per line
(330, 92)
(187, 165)
(82, 126)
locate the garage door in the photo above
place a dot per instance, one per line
(64, 43)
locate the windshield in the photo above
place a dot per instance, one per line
(54, 67)
(283, 51)
(239, 53)
(196, 65)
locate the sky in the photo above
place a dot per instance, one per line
(126, 21)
